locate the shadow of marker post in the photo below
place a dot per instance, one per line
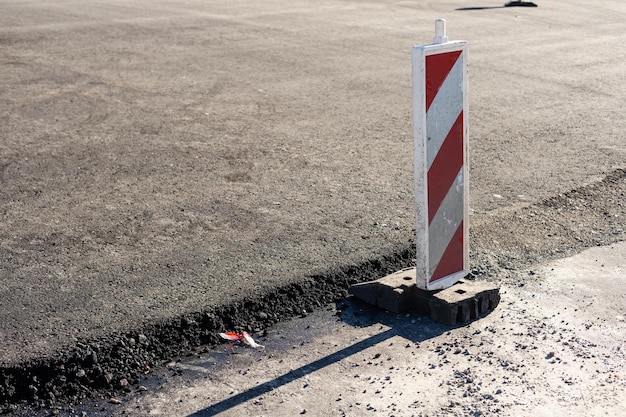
(354, 313)
(293, 375)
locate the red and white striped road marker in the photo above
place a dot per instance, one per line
(440, 130)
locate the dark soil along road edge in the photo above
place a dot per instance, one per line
(116, 362)
(503, 240)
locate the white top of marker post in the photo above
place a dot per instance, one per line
(440, 31)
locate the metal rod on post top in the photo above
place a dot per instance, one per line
(440, 31)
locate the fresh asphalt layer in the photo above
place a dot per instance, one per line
(159, 158)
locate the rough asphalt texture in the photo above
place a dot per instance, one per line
(168, 169)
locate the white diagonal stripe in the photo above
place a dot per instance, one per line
(444, 110)
(445, 223)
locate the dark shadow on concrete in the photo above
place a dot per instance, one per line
(517, 3)
(520, 3)
(354, 312)
(291, 376)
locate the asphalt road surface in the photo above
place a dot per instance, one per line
(183, 163)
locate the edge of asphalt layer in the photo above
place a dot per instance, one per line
(114, 363)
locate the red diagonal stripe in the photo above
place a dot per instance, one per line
(445, 167)
(437, 69)
(452, 259)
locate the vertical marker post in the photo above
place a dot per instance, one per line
(440, 131)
